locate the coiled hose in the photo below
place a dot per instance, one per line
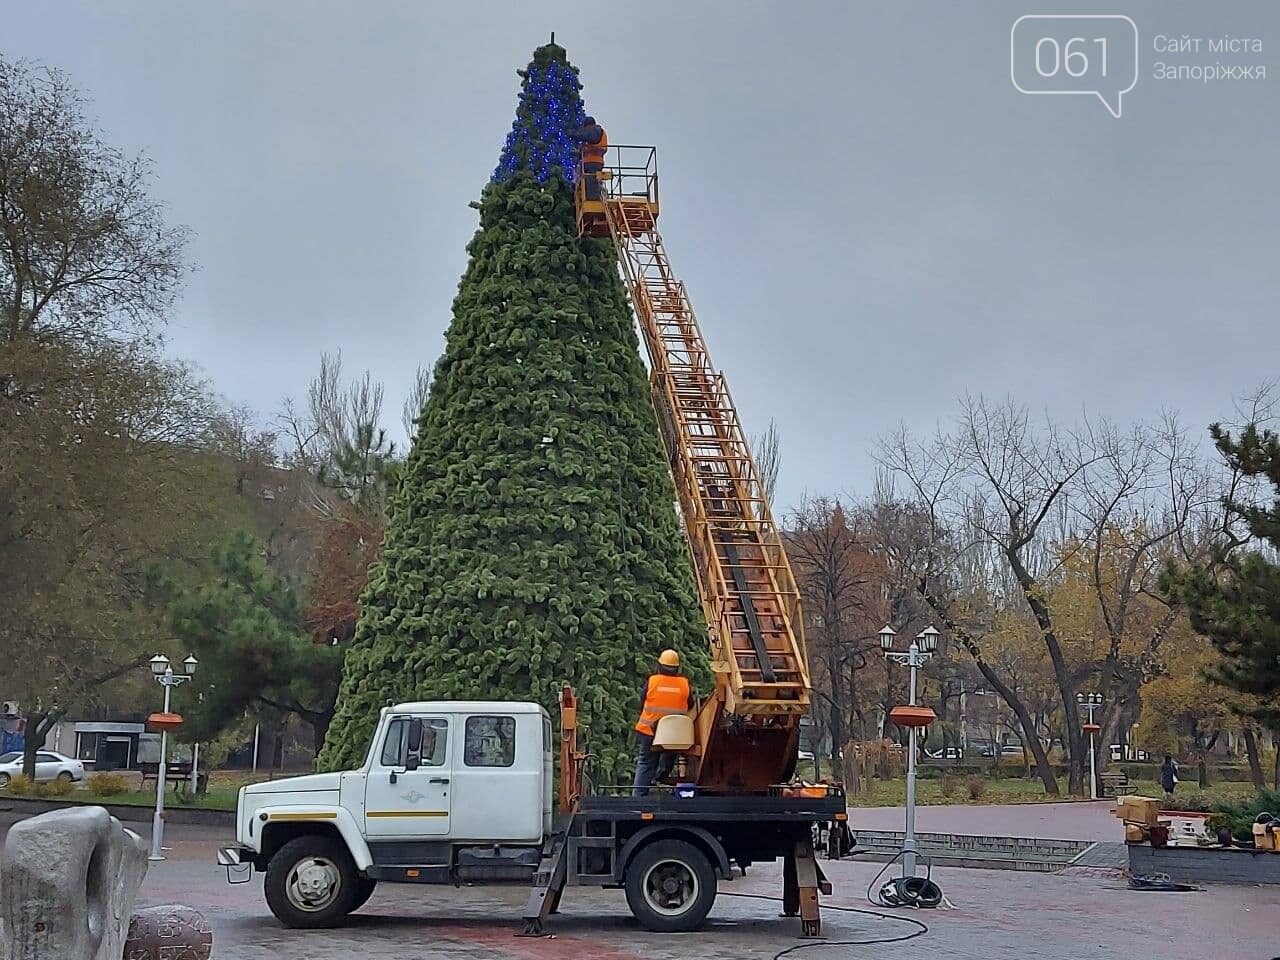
(919, 892)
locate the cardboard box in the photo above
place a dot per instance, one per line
(1266, 837)
(1140, 810)
(1133, 833)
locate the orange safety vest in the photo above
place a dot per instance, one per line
(594, 152)
(664, 695)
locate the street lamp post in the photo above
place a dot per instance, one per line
(917, 655)
(163, 673)
(1091, 702)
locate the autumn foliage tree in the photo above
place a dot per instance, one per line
(839, 582)
(1021, 511)
(86, 249)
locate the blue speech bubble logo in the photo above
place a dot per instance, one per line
(1075, 53)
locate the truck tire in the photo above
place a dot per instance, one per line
(311, 882)
(364, 890)
(670, 886)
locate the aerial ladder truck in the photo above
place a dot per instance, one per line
(747, 731)
(423, 810)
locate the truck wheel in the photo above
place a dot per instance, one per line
(670, 886)
(311, 882)
(364, 890)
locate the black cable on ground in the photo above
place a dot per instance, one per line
(1160, 882)
(920, 930)
(919, 892)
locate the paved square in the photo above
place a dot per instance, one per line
(998, 915)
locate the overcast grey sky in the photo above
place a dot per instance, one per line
(871, 220)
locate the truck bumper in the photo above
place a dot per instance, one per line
(239, 862)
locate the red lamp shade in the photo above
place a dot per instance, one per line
(912, 716)
(164, 721)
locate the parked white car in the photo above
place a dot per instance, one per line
(49, 766)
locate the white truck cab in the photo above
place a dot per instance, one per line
(449, 791)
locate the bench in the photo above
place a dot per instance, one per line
(1113, 784)
(178, 774)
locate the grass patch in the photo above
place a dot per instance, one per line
(122, 789)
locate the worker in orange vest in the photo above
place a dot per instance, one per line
(594, 144)
(665, 692)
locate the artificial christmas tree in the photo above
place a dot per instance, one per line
(533, 539)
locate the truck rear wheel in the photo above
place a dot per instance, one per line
(670, 886)
(312, 882)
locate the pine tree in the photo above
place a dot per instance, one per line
(245, 625)
(533, 538)
(1236, 600)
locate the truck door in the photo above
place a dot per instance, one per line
(407, 791)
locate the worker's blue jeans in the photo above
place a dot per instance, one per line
(651, 764)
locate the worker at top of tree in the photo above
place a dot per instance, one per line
(594, 144)
(665, 692)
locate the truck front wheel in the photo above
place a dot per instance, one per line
(364, 890)
(670, 886)
(312, 882)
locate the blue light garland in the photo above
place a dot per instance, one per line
(541, 140)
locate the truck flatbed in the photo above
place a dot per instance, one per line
(666, 806)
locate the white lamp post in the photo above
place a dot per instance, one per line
(163, 673)
(1091, 702)
(918, 654)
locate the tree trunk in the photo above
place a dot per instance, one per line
(37, 729)
(277, 755)
(1255, 762)
(30, 745)
(1030, 736)
(1030, 587)
(1275, 774)
(838, 706)
(266, 745)
(1007, 694)
(317, 736)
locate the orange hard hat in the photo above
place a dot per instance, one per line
(669, 658)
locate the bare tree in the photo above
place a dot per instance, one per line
(338, 442)
(1027, 506)
(997, 481)
(84, 250)
(1148, 501)
(414, 403)
(767, 450)
(347, 468)
(834, 571)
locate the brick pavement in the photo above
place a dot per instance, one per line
(1000, 915)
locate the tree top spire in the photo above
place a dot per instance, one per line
(548, 112)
